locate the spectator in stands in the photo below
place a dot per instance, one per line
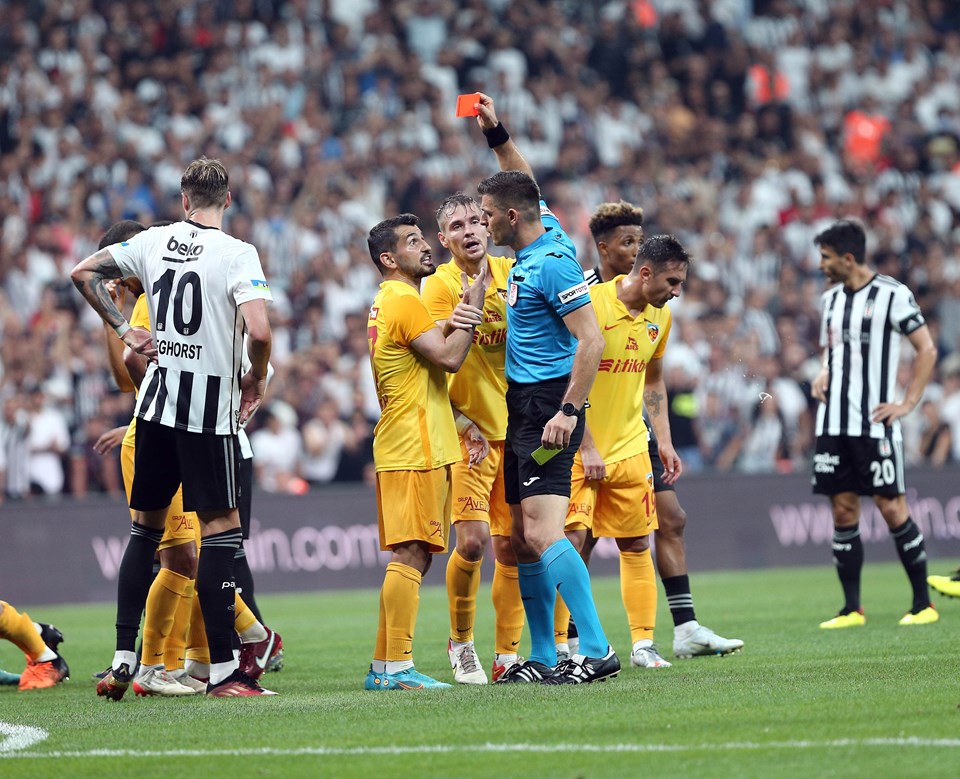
(742, 127)
(277, 450)
(48, 441)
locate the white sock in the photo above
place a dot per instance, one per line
(145, 669)
(643, 643)
(456, 646)
(46, 655)
(503, 659)
(120, 657)
(396, 666)
(686, 630)
(220, 671)
(256, 632)
(563, 648)
(197, 669)
(379, 666)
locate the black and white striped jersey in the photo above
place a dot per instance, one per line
(861, 332)
(196, 278)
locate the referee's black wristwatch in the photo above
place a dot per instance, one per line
(570, 410)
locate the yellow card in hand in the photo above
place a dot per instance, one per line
(541, 455)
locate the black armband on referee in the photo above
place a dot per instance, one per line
(497, 136)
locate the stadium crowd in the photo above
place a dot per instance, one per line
(742, 126)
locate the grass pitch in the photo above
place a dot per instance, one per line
(797, 702)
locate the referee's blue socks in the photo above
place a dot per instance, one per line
(570, 576)
(539, 595)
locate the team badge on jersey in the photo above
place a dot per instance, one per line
(513, 293)
(653, 330)
(884, 448)
(260, 283)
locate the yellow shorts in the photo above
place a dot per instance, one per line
(182, 526)
(623, 505)
(478, 491)
(414, 506)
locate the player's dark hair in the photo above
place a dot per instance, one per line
(205, 182)
(383, 236)
(845, 237)
(513, 189)
(609, 216)
(661, 251)
(121, 231)
(451, 203)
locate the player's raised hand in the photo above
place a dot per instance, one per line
(474, 293)
(486, 116)
(465, 317)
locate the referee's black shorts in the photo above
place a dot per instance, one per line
(206, 465)
(529, 408)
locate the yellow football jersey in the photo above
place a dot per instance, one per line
(416, 431)
(478, 390)
(615, 415)
(139, 317)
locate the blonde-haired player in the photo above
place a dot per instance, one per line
(612, 489)
(478, 394)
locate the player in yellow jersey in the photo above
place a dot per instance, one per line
(617, 229)
(415, 442)
(612, 484)
(478, 395)
(39, 642)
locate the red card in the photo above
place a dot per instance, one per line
(466, 103)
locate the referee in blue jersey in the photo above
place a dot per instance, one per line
(554, 346)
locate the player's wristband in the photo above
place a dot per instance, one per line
(497, 136)
(122, 329)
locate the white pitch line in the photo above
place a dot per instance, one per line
(747, 746)
(19, 737)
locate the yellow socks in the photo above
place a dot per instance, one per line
(245, 618)
(380, 647)
(175, 647)
(561, 621)
(18, 628)
(401, 602)
(463, 581)
(638, 587)
(163, 599)
(507, 609)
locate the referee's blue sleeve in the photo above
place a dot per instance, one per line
(563, 284)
